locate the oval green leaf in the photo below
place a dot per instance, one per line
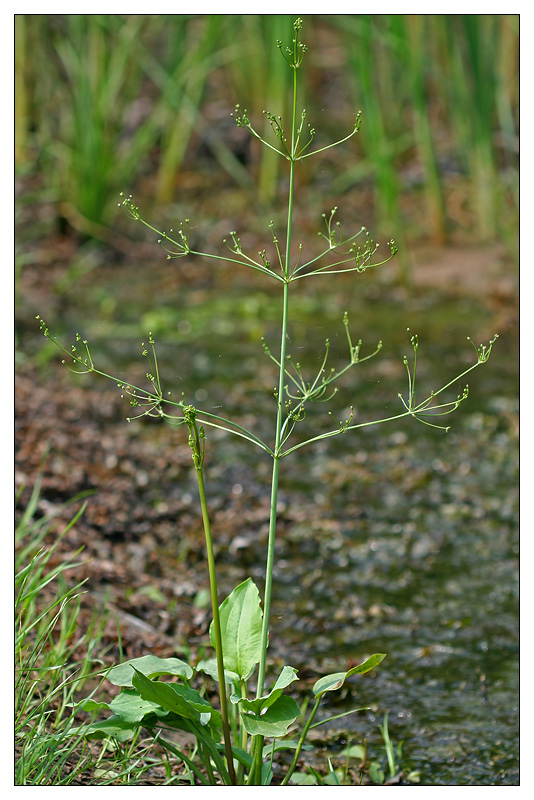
(241, 620)
(180, 700)
(330, 683)
(151, 666)
(287, 676)
(276, 720)
(114, 727)
(209, 666)
(130, 707)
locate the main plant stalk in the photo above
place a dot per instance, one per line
(279, 410)
(258, 741)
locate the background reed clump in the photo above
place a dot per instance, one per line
(100, 98)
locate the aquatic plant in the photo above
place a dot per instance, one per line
(230, 739)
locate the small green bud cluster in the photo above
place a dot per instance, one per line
(296, 415)
(241, 117)
(344, 426)
(483, 352)
(182, 244)
(294, 55)
(235, 246)
(276, 124)
(84, 361)
(265, 261)
(42, 326)
(165, 241)
(428, 407)
(362, 254)
(334, 236)
(129, 206)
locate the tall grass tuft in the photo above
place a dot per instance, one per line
(414, 33)
(53, 657)
(454, 78)
(98, 81)
(189, 54)
(380, 142)
(477, 107)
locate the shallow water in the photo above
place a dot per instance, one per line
(429, 576)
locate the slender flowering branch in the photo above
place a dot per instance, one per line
(153, 402)
(354, 131)
(183, 247)
(426, 407)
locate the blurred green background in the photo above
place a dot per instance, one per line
(108, 102)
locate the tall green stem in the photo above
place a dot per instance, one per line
(274, 502)
(301, 742)
(258, 741)
(196, 442)
(216, 625)
(280, 408)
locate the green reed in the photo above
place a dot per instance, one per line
(442, 88)
(86, 72)
(481, 117)
(440, 91)
(230, 740)
(180, 74)
(94, 55)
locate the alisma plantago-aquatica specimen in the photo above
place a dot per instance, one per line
(231, 746)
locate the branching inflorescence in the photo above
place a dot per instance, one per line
(298, 391)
